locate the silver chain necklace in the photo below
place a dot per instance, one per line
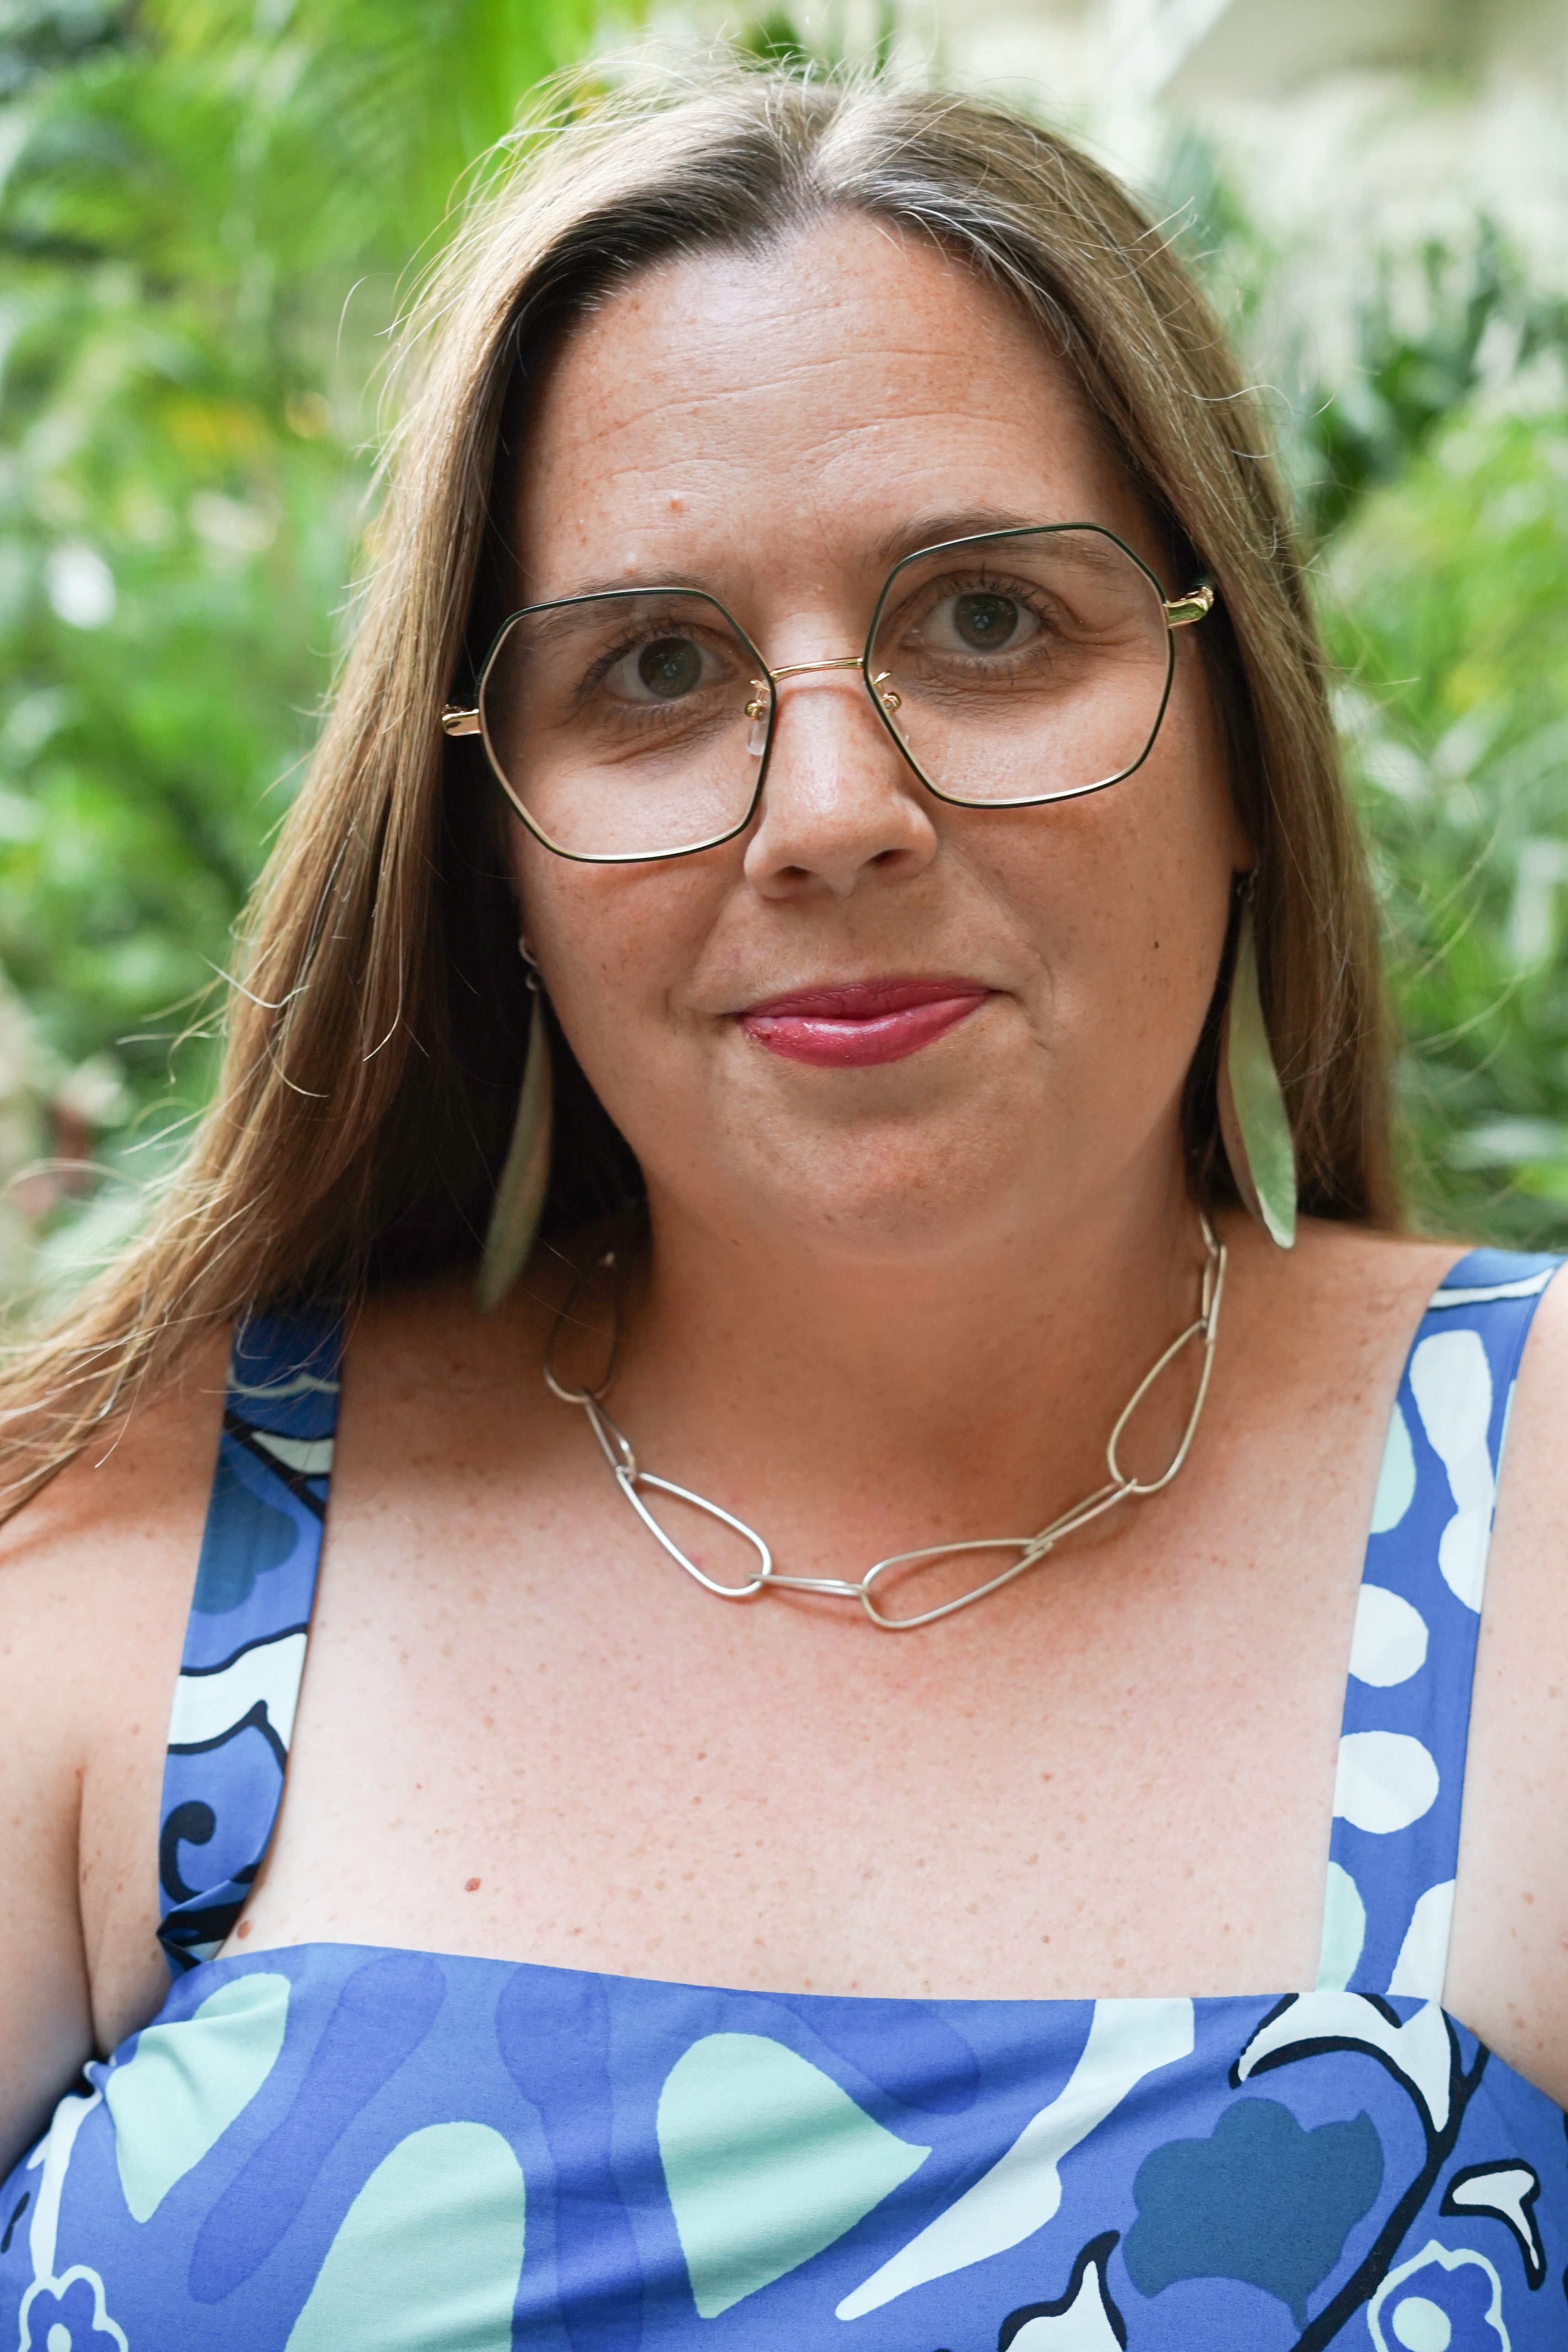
(634, 1482)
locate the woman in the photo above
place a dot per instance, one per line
(832, 518)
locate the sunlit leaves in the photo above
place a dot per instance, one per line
(208, 212)
(1448, 605)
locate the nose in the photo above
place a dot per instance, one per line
(839, 804)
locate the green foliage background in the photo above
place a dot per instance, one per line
(1448, 611)
(207, 211)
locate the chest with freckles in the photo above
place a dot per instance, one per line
(1087, 1773)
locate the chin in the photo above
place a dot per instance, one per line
(880, 1197)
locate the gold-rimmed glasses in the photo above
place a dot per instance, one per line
(1012, 668)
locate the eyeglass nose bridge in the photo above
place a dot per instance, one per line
(761, 687)
(839, 661)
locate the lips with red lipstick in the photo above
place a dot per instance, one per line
(863, 1021)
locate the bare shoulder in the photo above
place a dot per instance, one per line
(1529, 1547)
(103, 1544)
(1509, 1967)
(95, 1581)
(1536, 1490)
(1326, 1331)
(1325, 1326)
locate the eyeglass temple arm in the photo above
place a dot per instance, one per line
(459, 722)
(1181, 610)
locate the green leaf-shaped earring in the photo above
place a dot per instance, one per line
(1254, 1121)
(525, 1179)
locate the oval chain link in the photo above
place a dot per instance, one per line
(1120, 1486)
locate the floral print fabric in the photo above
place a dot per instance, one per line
(331, 2148)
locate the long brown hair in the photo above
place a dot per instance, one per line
(373, 1054)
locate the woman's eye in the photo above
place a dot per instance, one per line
(982, 621)
(664, 669)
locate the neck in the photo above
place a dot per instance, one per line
(931, 1394)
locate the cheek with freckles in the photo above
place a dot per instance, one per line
(617, 947)
(1124, 897)
(1103, 920)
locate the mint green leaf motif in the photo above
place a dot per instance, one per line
(429, 2253)
(766, 2161)
(186, 2083)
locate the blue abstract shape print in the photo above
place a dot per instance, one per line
(382, 2015)
(337, 2145)
(543, 2017)
(68, 2315)
(1261, 2200)
(1444, 2300)
(250, 1618)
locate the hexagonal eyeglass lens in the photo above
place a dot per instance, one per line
(1010, 668)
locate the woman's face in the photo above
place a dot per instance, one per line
(769, 427)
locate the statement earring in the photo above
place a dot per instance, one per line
(1253, 1121)
(524, 1177)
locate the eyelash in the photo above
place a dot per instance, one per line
(983, 583)
(627, 645)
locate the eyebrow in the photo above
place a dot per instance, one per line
(935, 530)
(907, 539)
(618, 584)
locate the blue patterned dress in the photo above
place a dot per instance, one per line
(334, 2149)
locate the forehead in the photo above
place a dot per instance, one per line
(825, 390)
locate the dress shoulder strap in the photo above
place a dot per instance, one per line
(250, 1620)
(1399, 1785)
